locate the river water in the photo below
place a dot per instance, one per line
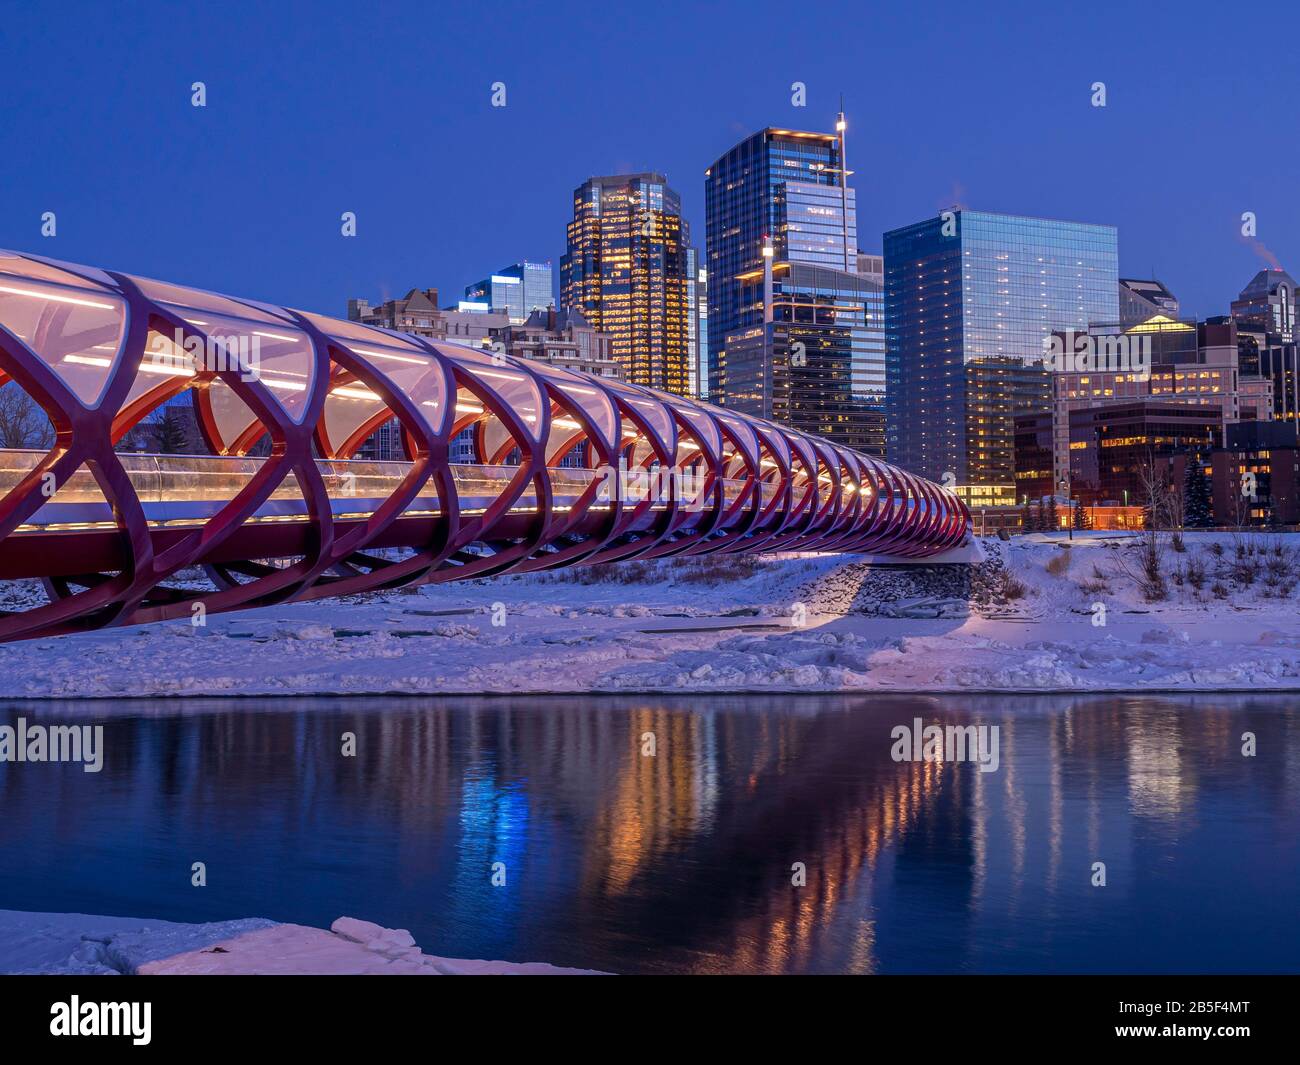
(664, 834)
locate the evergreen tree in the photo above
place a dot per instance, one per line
(1198, 510)
(1079, 518)
(1052, 519)
(170, 432)
(1026, 519)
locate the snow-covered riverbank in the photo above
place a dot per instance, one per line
(1068, 618)
(88, 945)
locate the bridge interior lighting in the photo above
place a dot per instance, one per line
(287, 386)
(513, 378)
(88, 360)
(464, 408)
(348, 392)
(391, 358)
(175, 370)
(37, 295)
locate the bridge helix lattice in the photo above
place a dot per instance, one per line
(566, 468)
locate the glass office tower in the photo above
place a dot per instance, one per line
(517, 290)
(818, 363)
(796, 334)
(702, 332)
(626, 269)
(781, 186)
(697, 323)
(971, 299)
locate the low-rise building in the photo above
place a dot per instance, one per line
(1116, 450)
(1256, 477)
(1184, 361)
(563, 338)
(418, 313)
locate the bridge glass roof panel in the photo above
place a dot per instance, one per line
(75, 327)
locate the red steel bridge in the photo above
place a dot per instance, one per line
(568, 469)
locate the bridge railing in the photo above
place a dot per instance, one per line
(175, 487)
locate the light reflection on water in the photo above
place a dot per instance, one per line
(682, 861)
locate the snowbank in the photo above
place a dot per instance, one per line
(1038, 615)
(88, 945)
(84, 944)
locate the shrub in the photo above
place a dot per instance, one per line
(1012, 587)
(1245, 571)
(1058, 563)
(1152, 581)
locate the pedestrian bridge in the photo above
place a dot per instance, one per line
(567, 469)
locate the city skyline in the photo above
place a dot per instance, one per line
(1186, 230)
(694, 490)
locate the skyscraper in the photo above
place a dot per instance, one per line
(626, 270)
(971, 299)
(795, 331)
(1268, 304)
(697, 304)
(518, 290)
(1268, 344)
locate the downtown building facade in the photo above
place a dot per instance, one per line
(1266, 456)
(972, 300)
(795, 331)
(1126, 397)
(627, 270)
(1117, 452)
(516, 291)
(1140, 301)
(1172, 360)
(562, 338)
(1268, 345)
(697, 298)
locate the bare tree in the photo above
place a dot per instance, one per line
(1154, 496)
(23, 422)
(1175, 510)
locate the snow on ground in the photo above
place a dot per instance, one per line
(88, 945)
(1040, 614)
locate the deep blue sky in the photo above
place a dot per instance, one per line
(384, 109)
